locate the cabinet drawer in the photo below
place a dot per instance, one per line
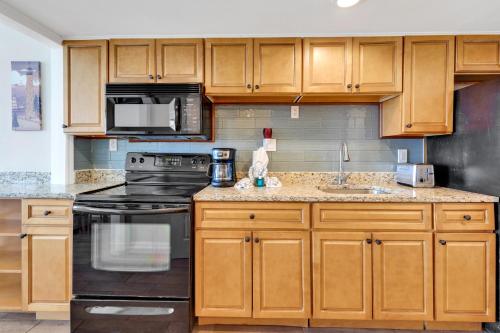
(39, 211)
(372, 216)
(253, 215)
(464, 216)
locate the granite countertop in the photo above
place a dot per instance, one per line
(311, 193)
(49, 191)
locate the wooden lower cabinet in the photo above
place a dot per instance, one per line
(465, 277)
(342, 275)
(46, 268)
(402, 276)
(281, 274)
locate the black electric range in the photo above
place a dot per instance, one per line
(132, 248)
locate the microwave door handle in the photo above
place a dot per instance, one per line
(97, 210)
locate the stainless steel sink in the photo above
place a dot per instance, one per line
(352, 190)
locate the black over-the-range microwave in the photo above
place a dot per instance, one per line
(160, 109)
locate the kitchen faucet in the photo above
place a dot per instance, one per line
(344, 157)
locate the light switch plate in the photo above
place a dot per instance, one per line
(294, 112)
(402, 156)
(269, 144)
(113, 144)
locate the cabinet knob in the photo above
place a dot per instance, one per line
(349, 86)
(22, 235)
(46, 213)
(409, 125)
(257, 86)
(467, 217)
(357, 86)
(252, 216)
(378, 241)
(151, 76)
(368, 241)
(64, 126)
(247, 239)
(249, 86)
(158, 77)
(442, 242)
(257, 240)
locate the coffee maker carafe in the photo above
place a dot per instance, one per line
(223, 167)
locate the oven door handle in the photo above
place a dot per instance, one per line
(97, 210)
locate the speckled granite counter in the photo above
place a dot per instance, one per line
(311, 193)
(48, 191)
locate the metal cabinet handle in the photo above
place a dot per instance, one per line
(151, 76)
(378, 241)
(64, 126)
(368, 241)
(22, 235)
(158, 77)
(349, 86)
(247, 239)
(257, 86)
(409, 125)
(249, 86)
(442, 242)
(257, 240)
(252, 216)
(467, 217)
(357, 86)
(47, 213)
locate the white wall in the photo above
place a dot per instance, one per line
(24, 151)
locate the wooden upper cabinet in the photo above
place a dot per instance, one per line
(47, 268)
(327, 65)
(426, 105)
(342, 275)
(228, 66)
(278, 65)
(281, 274)
(179, 60)
(85, 76)
(132, 60)
(478, 54)
(465, 277)
(402, 276)
(223, 273)
(377, 65)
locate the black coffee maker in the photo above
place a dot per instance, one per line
(223, 167)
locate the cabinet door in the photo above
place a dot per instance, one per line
(85, 76)
(223, 273)
(47, 268)
(281, 274)
(228, 66)
(402, 276)
(327, 65)
(278, 65)
(132, 60)
(377, 65)
(179, 60)
(342, 275)
(465, 277)
(478, 54)
(428, 84)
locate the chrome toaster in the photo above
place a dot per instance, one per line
(415, 175)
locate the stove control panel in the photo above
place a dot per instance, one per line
(167, 162)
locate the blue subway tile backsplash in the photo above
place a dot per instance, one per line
(309, 143)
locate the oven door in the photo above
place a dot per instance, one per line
(131, 250)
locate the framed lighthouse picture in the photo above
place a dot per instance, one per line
(26, 102)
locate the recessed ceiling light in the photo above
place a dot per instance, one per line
(346, 3)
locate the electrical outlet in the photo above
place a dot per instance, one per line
(294, 111)
(269, 144)
(113, 144)
(402, 156)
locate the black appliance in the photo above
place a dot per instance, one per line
(133, 250)
(469, 159)
(159, 109)
(223, 167)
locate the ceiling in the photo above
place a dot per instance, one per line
(73, 19)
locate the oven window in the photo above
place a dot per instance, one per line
(129, 247)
